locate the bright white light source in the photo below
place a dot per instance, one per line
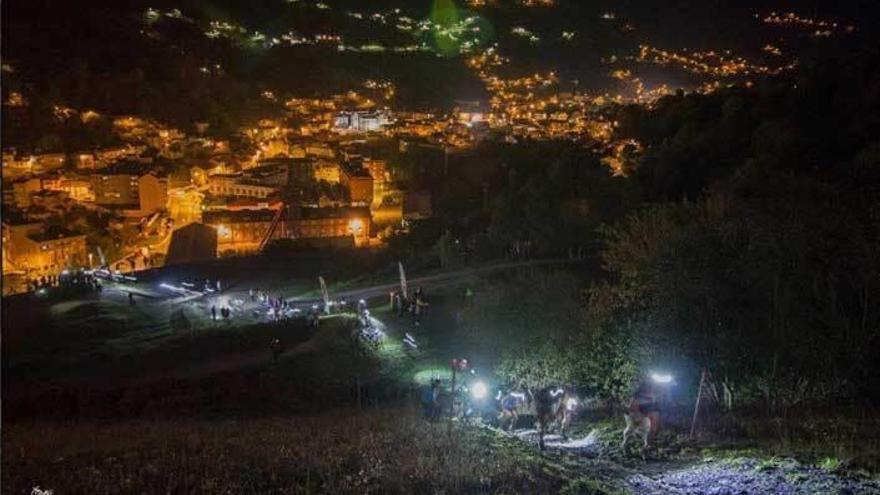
(479, 390)
(571, 403)
(661, 378)
(355, 226)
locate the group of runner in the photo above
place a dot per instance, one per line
(415, 306)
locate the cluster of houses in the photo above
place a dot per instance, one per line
(175, 190)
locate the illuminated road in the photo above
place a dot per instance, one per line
(437, 280)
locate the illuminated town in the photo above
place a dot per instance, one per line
(311, 144)
(440, 246)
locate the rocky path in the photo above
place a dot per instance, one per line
(695, 475)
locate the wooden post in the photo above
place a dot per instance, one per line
(452, 398)
(697, 404)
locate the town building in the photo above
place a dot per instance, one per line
(77, 188)
(106, 157)
(278, 172)
(361, 121)
(17, 165)
(18, 193)
(327, 171)
(245, 230)
(85, 161)
(359, 183)
(132, 188)
(381, 179)
(311, 222)
(318, 150)
(240, 231)
(40, 251)
(471, 112)
(236, 185)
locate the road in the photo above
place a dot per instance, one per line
(437, 280)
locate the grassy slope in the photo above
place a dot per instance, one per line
(252, 427)
(386, 450)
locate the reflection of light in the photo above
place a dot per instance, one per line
(171, 287)
(571, 403)
(223, 230)
(478, 390)
(661, 378)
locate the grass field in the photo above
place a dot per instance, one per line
(390, 450)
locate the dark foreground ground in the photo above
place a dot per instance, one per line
(139, 408)
(384, 450)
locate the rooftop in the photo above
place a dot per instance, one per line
(14, 217)
(238, 216)
(357, 171)
(54, 232)
(313, 213)
(127, 168)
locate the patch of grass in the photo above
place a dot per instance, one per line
(588, 486)
(829, 463)
(734, 456)
(390, 450)
(769, 464)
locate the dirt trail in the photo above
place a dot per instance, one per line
(695, 475)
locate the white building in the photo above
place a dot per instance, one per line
(361, 121)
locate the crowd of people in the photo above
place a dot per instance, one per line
(553, 409)
(414, 306)
(80, 281)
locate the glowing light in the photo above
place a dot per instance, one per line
(172, 287)
(661, 377)
(479, 390)
(356, 226)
